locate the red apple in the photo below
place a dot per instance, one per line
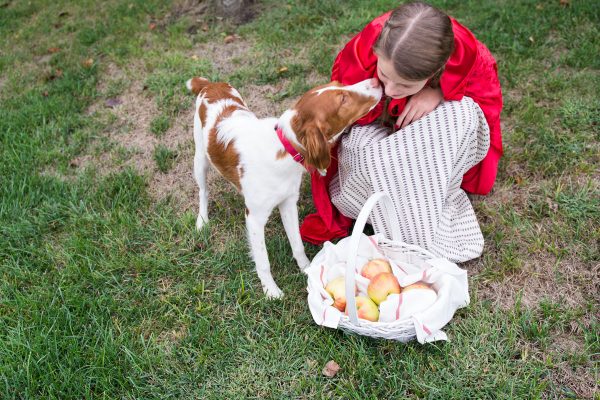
(337, 289)
(417, 285)
(417, 298)
(366, 309)
(375, 267)
(414, 299)
(381, 286)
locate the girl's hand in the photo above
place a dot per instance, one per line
(419, 105)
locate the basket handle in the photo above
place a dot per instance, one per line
(361, 221)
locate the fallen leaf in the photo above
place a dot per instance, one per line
(53, 50)
(152, 26)
(195, 57)
(518, 180)
(88, 63)
(113, 102)
(331, 369)
(282, 70)
(229, 39)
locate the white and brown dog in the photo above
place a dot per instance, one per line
(264, 158)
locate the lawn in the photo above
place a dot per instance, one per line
(107, 290)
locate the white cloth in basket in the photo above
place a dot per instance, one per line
(421, 168)
(449, 281)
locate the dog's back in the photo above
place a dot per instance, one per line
(217, 105)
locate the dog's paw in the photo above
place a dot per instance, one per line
(273, 292)
(201, 223)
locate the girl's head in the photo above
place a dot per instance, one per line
(413, 47)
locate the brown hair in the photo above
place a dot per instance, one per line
(418, 39)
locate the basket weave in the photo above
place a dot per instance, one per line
(400, 330)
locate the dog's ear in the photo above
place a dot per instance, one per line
(317, 147)
(195, 85)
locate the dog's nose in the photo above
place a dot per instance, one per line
(374, 82)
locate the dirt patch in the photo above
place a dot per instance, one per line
(114, 72)
(131, 129)
(550, 267)
(258, 99)
(569, 379)
(178, 183)
(542, 276)
(577, 376)
(566, 344)
(131, 134)
(516, 196)
(225, 57)
(132, 144)
(200, 13)
(568, 282)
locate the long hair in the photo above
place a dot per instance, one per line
(419, 40)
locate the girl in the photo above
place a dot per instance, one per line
(423, 59)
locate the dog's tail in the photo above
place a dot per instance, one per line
(195, 85)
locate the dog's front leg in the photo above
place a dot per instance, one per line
(288, 210)
(255, 224)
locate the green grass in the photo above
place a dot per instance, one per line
(160, 125)
(164, 158)
(106, 292)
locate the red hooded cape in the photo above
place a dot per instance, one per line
(470, 71)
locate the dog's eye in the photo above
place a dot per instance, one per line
(343, 97)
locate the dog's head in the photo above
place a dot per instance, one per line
(324, 112)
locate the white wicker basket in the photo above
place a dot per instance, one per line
(449, 281)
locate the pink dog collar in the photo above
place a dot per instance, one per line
(299, 158)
